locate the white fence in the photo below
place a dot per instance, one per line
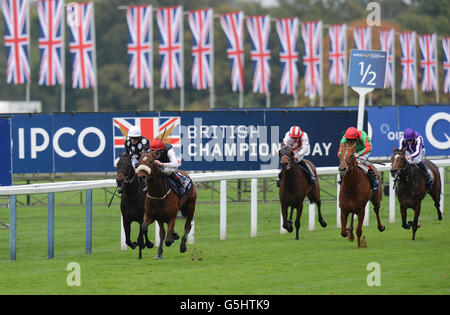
(223, 177)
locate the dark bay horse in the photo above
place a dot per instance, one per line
(132, 201)
(354, 194)
(162, 203)
(294, 188)
(410, 187)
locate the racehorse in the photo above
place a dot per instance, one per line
(410, 187)
(132, 201)
(294, 188)
(162, 203)
(354, 194)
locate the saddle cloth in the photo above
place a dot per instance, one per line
(180, 190)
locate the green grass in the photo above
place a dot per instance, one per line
(321, 262)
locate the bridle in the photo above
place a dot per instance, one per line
(130, 172)
(148, 169)
(349, 164)
(284, 153)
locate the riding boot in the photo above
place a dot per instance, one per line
(119, 190)
(428, 177)
(308, 172)
(373, 180)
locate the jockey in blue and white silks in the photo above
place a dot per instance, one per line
(413, 142)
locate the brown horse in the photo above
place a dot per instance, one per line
(162, 203)
(354, 194)
(294, 188)
(131, 201)
(410, 187)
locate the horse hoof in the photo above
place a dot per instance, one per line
(323, 224)
(175, 235)
(381, 228)
(183, 248)
(149, 245)
(159, 257)
(168, 243)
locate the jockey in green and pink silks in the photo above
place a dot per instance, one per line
(362, 151)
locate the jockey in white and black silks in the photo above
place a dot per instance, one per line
(299, 142)
(413, 142)
(135, 143)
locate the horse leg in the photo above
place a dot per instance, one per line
(297, 219)
(315, 197)
(127, 229)
(322, 222)
(286, 225)
(359, 229)
(376, 209)
(404, 216)
(436, 195)
(415, 223)
(170, 228)
(187, 229)
(162, 235)
(344, 217)
(149, 244)
(350, 235)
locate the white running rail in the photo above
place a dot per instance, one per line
(223, 177)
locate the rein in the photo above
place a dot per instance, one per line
(160, 198)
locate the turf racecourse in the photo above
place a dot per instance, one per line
(321, 262)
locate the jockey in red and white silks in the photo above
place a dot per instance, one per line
(298, 140)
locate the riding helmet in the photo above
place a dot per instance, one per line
(352, 133)
(409, 134)
(295, 132)
(134, 132)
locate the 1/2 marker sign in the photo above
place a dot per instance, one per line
(367, 68)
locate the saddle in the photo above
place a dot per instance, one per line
(184, 188)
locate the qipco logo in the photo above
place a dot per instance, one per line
(438, 143)
(73, 14)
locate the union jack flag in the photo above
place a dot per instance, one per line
(387, 44)
(446, 46)
(170, 40)
(338, 39)
(259, 30)
(200, 22)
(139, 19)
(287, 30)
(233, 27)
(363, 38)
(428, 62)
(51, 42)
(82, 45)
(151, 128)
(17, 40)
(311, 33)
(407, 45)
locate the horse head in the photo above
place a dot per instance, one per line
(398, 161)
(286, 157)
(146, 165)
(347, 159)
(125, 169)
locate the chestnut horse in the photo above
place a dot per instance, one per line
(131, 201)
(410, 187)
(354, 194)
(162, 203)
(294, 188)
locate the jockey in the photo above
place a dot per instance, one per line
(135, 143)
(299, 141)
(413, 142)
(166, 159)
(362, 152)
